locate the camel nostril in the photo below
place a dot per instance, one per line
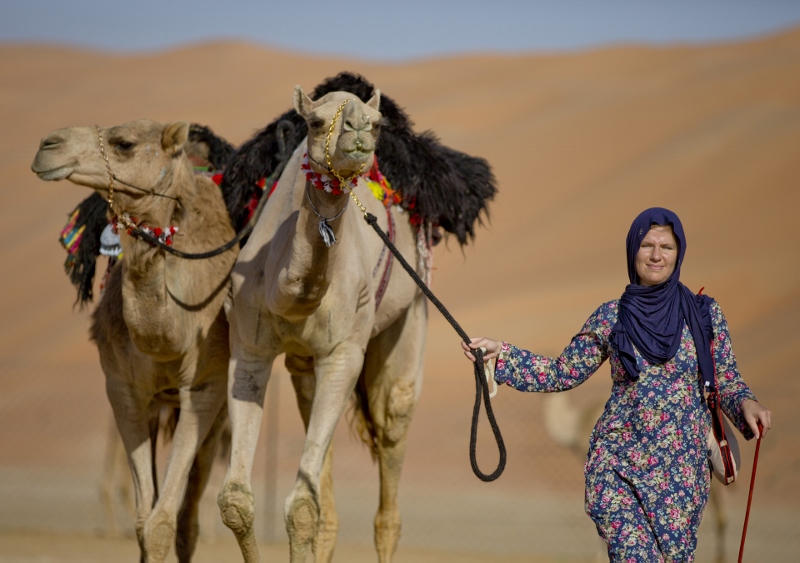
(50, 142)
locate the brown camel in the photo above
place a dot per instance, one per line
(296, 291)
(160, 327)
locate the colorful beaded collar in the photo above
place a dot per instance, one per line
(323, 181)
(128, 223)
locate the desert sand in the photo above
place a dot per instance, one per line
(579, 142)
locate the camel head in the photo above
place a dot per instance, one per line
(142, 155)
(351, 142)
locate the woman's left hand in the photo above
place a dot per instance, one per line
(492, 348)
(754, 413)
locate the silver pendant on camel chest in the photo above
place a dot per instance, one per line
(325, 230)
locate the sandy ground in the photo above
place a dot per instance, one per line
(19, 548)
(579, 142)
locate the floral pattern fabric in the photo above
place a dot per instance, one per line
(647, 475)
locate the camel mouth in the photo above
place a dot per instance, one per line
(358, 156)
(60, 173)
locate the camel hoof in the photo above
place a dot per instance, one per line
(387, 535)
(158, 538)
(301, 524)
(237, 506)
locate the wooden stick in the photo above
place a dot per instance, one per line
(750, 495)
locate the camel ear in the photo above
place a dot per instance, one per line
(302, 103)
(375, 101)
(174, 137)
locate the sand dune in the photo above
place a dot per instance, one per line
(579, 142)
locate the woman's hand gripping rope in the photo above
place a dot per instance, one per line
(491, 350)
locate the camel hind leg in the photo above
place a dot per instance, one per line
(116, 483)
(133, 418)
(188, 523)
(390, 388)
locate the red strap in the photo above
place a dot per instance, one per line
(387, 271)
(718, 428)
(717, 423)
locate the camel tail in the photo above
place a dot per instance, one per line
(360, 420)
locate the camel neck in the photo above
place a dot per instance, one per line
(167, 299)
(310, 264)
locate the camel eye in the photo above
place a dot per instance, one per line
(316, 123)
(122, 144)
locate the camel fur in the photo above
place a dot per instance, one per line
(159, 327)
(293, 294)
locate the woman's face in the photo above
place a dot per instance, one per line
(657, 256)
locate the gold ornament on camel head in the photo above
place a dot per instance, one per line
(349, 127)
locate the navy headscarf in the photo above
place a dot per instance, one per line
(651, 318)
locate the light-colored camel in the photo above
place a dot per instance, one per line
(160, 327)
(571, 426)
(293, 294)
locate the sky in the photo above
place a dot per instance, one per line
(390, 31)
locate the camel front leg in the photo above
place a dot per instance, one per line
(336, 376)
(247, 385)
(199, 411)
(304, 381)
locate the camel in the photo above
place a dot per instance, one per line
(570, 426)
(82, 237)
(305, 285)
(159, 327)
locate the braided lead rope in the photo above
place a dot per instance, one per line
(481, 385)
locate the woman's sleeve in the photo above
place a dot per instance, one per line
(732, 388)
(526, 371)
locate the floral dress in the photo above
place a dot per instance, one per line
(647, 476)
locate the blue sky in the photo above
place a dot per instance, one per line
(391, 31)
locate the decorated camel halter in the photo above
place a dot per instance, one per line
(338, 176)
(123, 219)
(336, 185)
(161, 237)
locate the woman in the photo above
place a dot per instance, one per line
(647, 476)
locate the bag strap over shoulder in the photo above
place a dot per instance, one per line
(723, 448)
